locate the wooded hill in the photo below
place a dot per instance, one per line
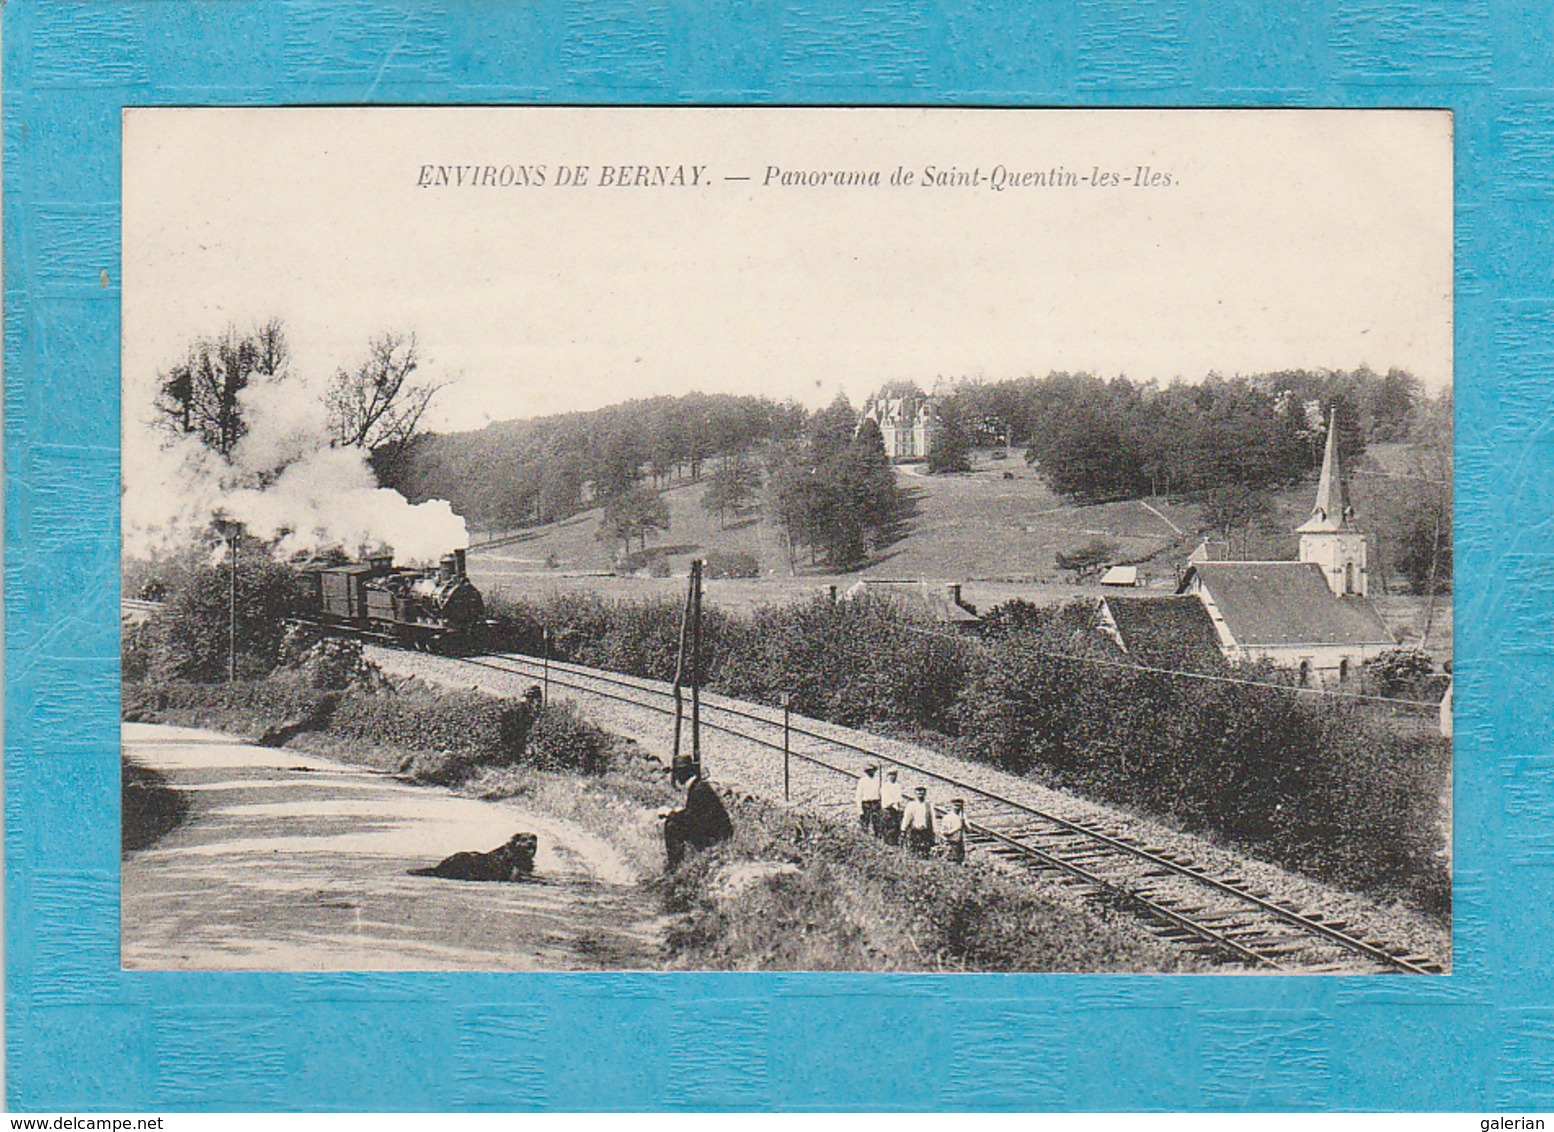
(513, 474)
(1234, 446)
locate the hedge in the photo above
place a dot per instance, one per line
(1337, 790)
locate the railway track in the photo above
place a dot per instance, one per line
(1183, 901)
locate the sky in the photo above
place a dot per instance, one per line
(1257, 240)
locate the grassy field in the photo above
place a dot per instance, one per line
(997, 535)
(979, 526)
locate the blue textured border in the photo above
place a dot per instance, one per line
(83, 1035)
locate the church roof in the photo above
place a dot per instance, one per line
(1286, 603)
(1167, 632)
(1331, 512)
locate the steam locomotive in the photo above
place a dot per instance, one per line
(431, 609)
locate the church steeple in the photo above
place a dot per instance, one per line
(1328, 539)
(1331, 511)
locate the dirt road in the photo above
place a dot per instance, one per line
(286, 861)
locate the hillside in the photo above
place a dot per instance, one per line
(997, 523)
(997, 535)
(976, 526)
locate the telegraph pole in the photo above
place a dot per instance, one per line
(545, 693)
(787, 701)
(228, 529)
(679, 677)
(232, 609)
(696, 663)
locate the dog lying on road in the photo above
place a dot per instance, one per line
(513, 861)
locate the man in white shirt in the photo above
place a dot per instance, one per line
(917, 823)
(868, 798)
(892, 803)
(952, 827)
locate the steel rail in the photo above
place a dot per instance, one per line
(1120, 892)
(1287, 915)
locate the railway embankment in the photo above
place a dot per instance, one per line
(752, 766)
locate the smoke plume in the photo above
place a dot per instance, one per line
(283, 482)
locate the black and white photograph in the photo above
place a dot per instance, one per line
(787, 539)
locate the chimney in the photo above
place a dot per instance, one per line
(953, 590)
(460, 563)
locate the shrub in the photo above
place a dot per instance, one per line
(337, 663)
(732, 564)
(1399, 672)
(436, 768)
(188, 639)
(857, 662)
(640, 638)
(466, 724)
(561, 739)
(246, 705)
(1320, 786)
(137, 647)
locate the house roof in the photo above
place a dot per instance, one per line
(1166, 632)
(935, 599)
(1121, 576)
(1286, 603)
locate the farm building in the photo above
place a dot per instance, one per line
(942, 602)
(908, 425)
(1163, 632)
(1122, 576)
(1313, 615)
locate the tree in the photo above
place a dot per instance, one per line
(1409, 503)
(1087, 558)
(1392, 410)
(561, 487)
(619, 463)
(732, 486)
(836, 504)
(633, 514)
(1235, 507)
(951, 447)
(832, 428)
(202, 394)
(376, 405)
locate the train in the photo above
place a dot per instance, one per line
(433, 609)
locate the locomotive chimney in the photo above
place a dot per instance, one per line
(445, 568)
(459, 563)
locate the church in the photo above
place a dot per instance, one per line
(1313, 615)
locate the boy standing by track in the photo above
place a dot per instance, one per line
(917, 824)
(953, 829)
(868, 798)
(892, 803)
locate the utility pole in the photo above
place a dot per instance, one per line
(232, 609)
(679, 676)
(228, 529)
(696, 663)
(545, 692)
(787, 701)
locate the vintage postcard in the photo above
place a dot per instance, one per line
(776, 539)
